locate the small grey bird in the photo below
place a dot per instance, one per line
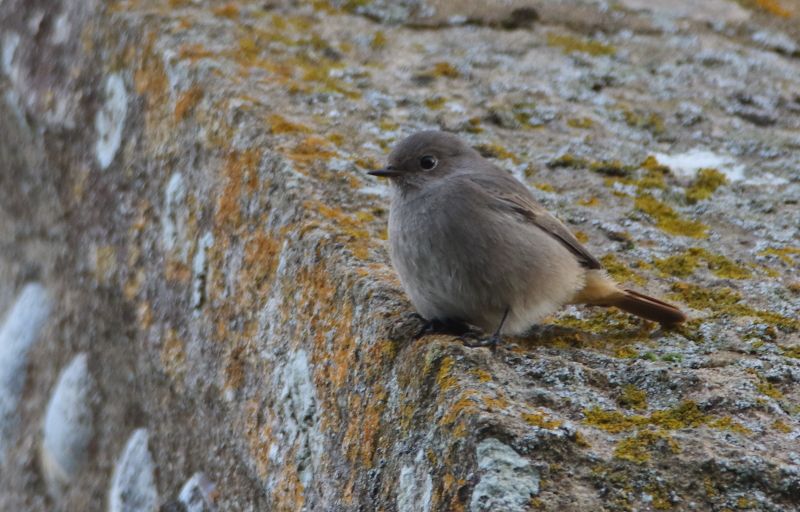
(472, 245)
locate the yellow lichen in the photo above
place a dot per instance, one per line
(279, 124)
(791, 351)
(668, 219)
(769, 389)
(444, 377)
(350, 226)
(581, 236)
(445, 69)
(482, 375)
(685, 415)
(186, 102)
(637, 448)
(173, 355)
(772, 7)
(725, 301)
(379, 40)
(229, 10)
(569, 44)
(240, 166)
(546, 187)
(312, 149)
(651, 122)
(788, 255)
(619, 271)
(626, 352)
(491, 150)
(580, 122)
(744, 503)
(780, 426)
(632, 397)
(542, 420)
(685, 264)
(704, 185)
(435, 102)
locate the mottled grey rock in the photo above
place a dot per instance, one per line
(507, 480)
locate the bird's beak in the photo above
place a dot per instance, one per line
(386, 172)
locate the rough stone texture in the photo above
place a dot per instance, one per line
(187, 181)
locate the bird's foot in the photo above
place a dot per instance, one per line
(492, 342)
(442, 326)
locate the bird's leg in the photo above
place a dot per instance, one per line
(441, 326)
(494, 340)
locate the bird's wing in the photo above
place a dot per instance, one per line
(505, 193)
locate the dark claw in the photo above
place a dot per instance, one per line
(491, 342)
(436, 326)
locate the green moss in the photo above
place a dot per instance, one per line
(569, 44)
(685, 264)
(632, 397)
(637, 448)
(704, 185)
(668, 219)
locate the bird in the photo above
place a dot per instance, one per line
(473, 247)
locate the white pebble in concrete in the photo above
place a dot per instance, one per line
(20, 329)
(67, 429)
(508, 481)
(133, 485)
(10, 44)
(197, 494)
(110, 120)
(200, 271)
(175, 217)
(415, 487)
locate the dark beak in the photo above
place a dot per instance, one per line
(386, 172)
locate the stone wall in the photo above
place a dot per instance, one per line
(199, 313)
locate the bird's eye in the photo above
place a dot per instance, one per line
(428, 162)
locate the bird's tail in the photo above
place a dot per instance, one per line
(600, 290)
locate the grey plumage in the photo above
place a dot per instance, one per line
(470, 242)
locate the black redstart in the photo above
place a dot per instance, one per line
(472, 245)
